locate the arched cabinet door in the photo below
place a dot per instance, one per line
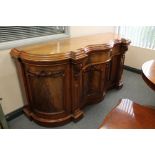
(94, 79)
(49, 91)
(95, 73)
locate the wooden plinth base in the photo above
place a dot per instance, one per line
(52, 122)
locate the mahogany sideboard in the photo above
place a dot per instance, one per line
(58, 78)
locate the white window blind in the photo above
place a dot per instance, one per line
(12, 33)
(141, 36)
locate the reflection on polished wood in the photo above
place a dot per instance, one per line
(60, 77)
(148, 73)
(130, 115)
(68, 45)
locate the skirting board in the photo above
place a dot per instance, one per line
(14, 114)
(135, 70)
(19, 111)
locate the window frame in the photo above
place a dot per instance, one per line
(29, 41)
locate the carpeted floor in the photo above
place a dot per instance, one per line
(134, 88)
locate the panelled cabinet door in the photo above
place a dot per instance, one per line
(49, 90)
(94, 77)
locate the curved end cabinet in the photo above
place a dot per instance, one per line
(59, 78)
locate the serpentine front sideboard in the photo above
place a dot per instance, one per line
(58, 78)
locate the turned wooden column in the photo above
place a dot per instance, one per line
(123, 49)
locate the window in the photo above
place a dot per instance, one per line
(141, 36)
(11, 36)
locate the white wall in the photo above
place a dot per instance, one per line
(136, 56)
(9, 84)
(76, 31)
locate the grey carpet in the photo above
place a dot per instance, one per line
(134, 88)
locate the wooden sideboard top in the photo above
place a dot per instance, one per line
(68, 44)
(61, 49)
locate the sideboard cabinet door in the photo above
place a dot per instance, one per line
(94, 82)
(49, 90)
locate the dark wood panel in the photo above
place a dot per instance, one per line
(47, 95)
(94, 82)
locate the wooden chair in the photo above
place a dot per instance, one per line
(3, 122)
(130, 115)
